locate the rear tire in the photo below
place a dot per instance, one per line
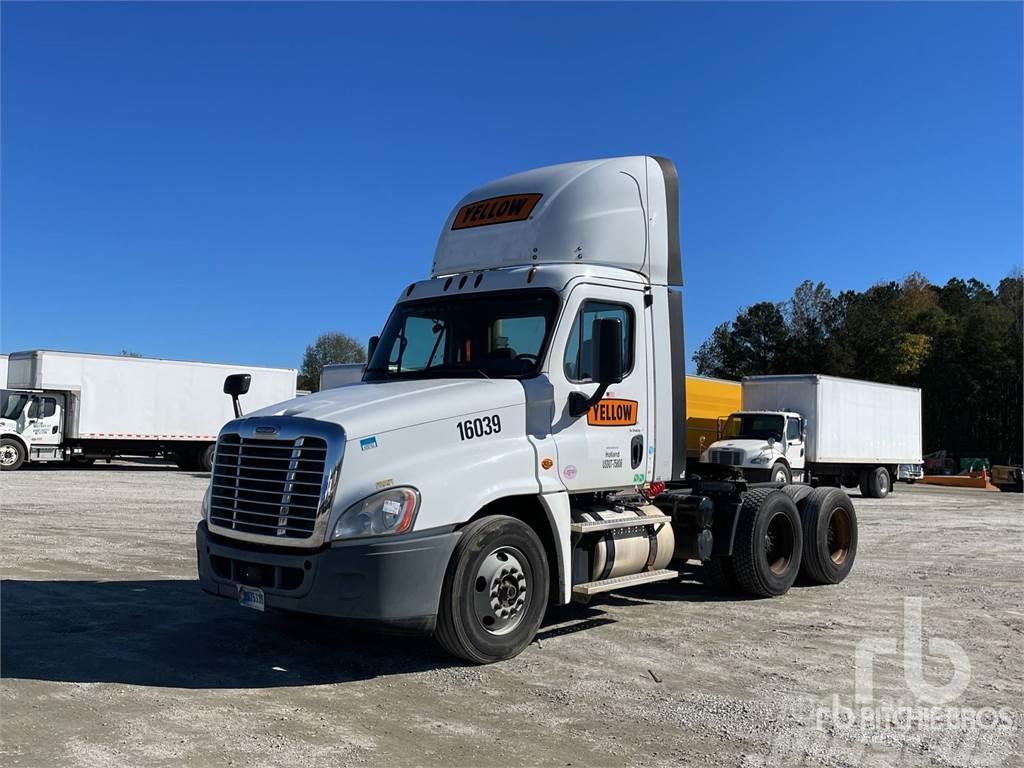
(495, 591)
(12, 454)
(83, 461)
(769, 543)
(875, 483)
(829, 525)
(204, 458)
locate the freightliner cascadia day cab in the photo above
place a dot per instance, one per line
(516, 441)
(77, 407)
(821, 429)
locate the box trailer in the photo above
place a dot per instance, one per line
(517, 440)
(708, 402)
(70, 406)
(824, 429)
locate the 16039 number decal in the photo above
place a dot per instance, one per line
(485, 425)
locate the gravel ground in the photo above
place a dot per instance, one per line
(113, 656)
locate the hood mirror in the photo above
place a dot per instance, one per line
(237, 384)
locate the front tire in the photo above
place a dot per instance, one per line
(768, 544)
(780, 473)
(830, 535)
(495, 591)
(12, 454)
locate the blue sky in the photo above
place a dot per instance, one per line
(225, 181)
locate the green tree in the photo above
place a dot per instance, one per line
(329, 348)
(753, 343)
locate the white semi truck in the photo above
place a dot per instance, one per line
(516, 441)
(75, 407)
(821, 429)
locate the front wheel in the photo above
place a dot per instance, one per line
(780, 473)
(12, 454)
(495, 591)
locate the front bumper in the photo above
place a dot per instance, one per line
(394, 581)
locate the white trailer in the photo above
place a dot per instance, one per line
(70, 406)
(824, 429)
(518, 438)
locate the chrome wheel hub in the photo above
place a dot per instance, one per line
(500, 591)
(8, 456)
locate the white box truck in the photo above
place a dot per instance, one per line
(822, 429)
(517, 440)
(75, 407)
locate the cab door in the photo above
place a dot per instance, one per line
(608, 446)
(45, 413)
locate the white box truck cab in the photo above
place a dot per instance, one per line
(73, 407)
(517, 439)
(821, 429)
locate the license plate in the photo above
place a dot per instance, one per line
(250, 597)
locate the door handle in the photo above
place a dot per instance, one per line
(54, 430)
(636, 451)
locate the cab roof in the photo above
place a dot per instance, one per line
(618, 212)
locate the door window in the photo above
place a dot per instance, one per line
(579, 350)
(42, 408)
(793, 429)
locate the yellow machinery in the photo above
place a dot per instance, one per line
(708, 400)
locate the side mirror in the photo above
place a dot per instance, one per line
(371, 347)
(607, 350)
(771, 442)
(606, 364)
(237, 384)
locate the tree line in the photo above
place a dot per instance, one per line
(961, 343)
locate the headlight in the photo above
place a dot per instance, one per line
(390, 511)
(760, 460)
(205, 509)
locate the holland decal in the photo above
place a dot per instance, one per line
(368, 443)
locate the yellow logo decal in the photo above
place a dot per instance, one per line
(495, 210)
(613, 413)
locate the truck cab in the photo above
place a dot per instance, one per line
(767, 446)
(31, 425)
(517, 439)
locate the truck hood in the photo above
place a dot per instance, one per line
(370, 408)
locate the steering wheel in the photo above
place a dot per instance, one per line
(527, 356)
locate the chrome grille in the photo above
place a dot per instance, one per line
(268, 487)
(726, 456)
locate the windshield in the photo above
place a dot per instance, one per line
(491, 335)
(15, 405)
(759, 426)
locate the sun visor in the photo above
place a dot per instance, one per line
(620, 212)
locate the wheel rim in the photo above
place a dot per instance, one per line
(8, 456)
(780, 475)
(778, 543)
(500, 591)
(883, 483)
(840, 535)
